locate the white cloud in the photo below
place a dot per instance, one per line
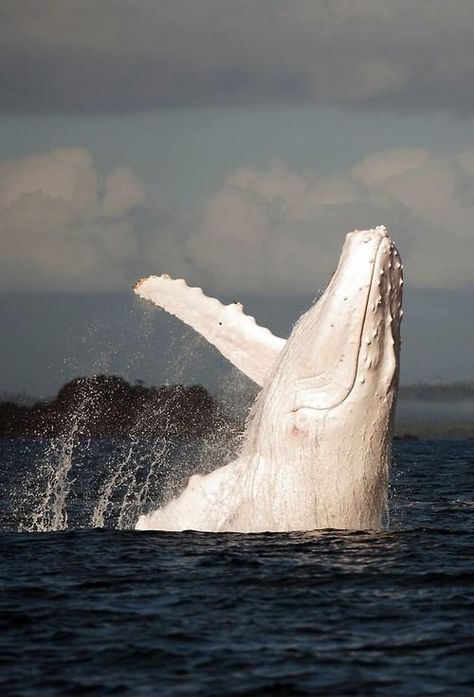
(66, 225)
(63, 225)
(66, 175)
(123, 191)
(273, 230)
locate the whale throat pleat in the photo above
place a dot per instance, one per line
(249, 347)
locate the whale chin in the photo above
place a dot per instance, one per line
(316, 451)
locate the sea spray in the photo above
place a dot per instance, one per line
(81, 479)
(138, 472)
(155, 472)
(50, 512)
(132, 478)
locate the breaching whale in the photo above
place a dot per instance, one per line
(317, 447)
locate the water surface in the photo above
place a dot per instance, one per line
(114, 611)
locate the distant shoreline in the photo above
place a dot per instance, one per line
(107, 406)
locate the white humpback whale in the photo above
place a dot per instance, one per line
(317, 447)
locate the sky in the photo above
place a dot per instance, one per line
(234, 144)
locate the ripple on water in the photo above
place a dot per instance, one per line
(325, 612)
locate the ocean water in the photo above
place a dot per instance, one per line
(110, 611)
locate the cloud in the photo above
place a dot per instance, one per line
(273, 230)
(114, 56)
(66, 225)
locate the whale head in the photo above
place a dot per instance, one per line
(348, 343)
(329, 403)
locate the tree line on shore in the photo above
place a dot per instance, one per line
(107, 406)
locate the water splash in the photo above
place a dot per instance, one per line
(133, 476)
(50, 512)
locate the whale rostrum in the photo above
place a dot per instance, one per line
(317, 447)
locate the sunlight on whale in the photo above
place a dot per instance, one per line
(317, 447)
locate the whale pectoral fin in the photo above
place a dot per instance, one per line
(251, 348)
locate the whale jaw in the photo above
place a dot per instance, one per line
(316, 451)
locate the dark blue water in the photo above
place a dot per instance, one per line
(106, 611)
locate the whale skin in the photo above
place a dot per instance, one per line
(317, 447)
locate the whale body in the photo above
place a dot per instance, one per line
(317, 447)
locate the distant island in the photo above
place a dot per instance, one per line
(107, 406)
